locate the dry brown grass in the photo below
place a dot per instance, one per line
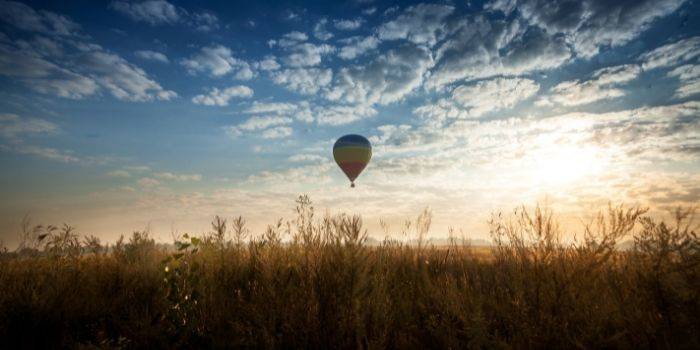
(313, 283)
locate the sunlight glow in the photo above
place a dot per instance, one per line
(561, 165)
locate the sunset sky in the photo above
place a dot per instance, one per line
(116, 116)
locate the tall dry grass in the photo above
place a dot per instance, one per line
(314, 283)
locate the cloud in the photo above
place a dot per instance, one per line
(300, 111)
(419, 24)
(599, 87)
(217, 61)
(348, 24)
(492, 95)
(306, 158)
(296, 36)
(259, 123)
(121, 78)
(474, 100)
(46, 152)
(340, 115)
(46, 22)
(148, 182)
(369, 11)
(152, 12)
(689, 77)
(119, 174)
(386, 79)
(306, 81)
(357, 46)
(270, 127)
(152, 56)
(271, 107)
(43, 76)
(306, 54)
(277, 132)
(589, 24)
(178, 177)
(160, 12)
(482, 48)
(204, 21)
(320, 31)
(269, 63)
(306, 174)
(671, 54)
(13, 127)
(216, 97)
(75, 69)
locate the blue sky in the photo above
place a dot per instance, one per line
(119, 115)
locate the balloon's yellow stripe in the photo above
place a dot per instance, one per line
(352, 154)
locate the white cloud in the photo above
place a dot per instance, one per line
(75, 69)
(589, 24)
(217, 60)
(178, 177)
(43, 76)
(122, 79)
(25, 18)
(307, 54)
(270, 127)
(672, 54)
(689, 77)
(296, 36)
(204, 21)
(689, 88)
(14, 129)
(312, 173)
(306, 158)
(420, 24)
(157, 12)
(482, 48)
(601, 86)
(473, 100)
(12, 126)
(340, 115)
(119, 174)
(320, 31)
(300, 111)
(386, 79)
(148, 182)
(686, 72)
(269, 63)
(47, 153)
(357, 46)
(492, 95)
(216, 97)
(348, 24)
(151, 11)
(277, 132)
(259, 123)
(152, 56)
(271, 107)
(306, 81)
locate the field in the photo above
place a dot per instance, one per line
(314, 283)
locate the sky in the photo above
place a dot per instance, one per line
(119, 116)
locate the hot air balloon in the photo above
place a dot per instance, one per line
(352, 154)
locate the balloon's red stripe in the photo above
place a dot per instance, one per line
(352, 169)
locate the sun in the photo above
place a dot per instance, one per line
(561, 165)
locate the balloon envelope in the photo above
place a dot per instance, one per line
(352, 154)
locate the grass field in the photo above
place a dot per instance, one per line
(313, 283)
